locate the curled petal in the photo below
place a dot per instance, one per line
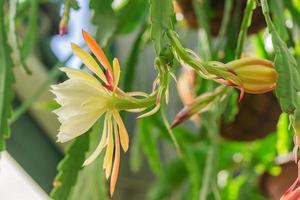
(151, 112)
(115, 170)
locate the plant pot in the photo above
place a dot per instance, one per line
(273, 187)
(258, 116)
(217, 6)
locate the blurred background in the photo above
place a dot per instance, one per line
(250, 156)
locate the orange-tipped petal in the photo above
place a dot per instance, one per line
(123, 132)
(115, 170)
(97, 51)
(89, 61)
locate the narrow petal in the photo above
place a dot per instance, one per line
(116, 70)
(151, 112)
(89, 61)
(107, 164)
(100, 146)
(115, 170)
(141, 94)
(75, 73)
(97, 51)
(123, 132)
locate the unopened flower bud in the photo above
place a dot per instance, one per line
(256, 75)
(199, 105)
(63, 26)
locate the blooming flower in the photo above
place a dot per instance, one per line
(84, 98)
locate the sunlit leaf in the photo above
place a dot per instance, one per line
(284, 135)
(288, 83)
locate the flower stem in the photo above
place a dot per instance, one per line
(210, 166)
(244, 27)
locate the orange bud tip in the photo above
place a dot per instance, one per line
(62, 31)
(180, 118)
(242, 94)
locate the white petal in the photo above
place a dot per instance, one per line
(78, 124)
(77, 91)
(101, 145)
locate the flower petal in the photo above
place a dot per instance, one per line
(115, 170)
(116, 70)
(77, 91)
(122, 130)
(97, 51)
(107, 164)
(75, 73)
(77, 125)
(101, 145)
(89, 61)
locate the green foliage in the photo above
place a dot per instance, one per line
(6, 81)
(91, 182)
(161, 13)
(279, 20)
(131, 15)
(18, 59)
(69, 167)
(105, 19)
(31, 32)
(284, 135)
(121, 21)
(288, 83)
(148, 141)
(251, 5)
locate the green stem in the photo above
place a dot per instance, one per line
(129, 103)
(221, 40)
(244, 27)
(67, 9)
(204, 69)
(211, 165)
(170, 131)
(18, 59)
(204, 28)
(53, 75)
